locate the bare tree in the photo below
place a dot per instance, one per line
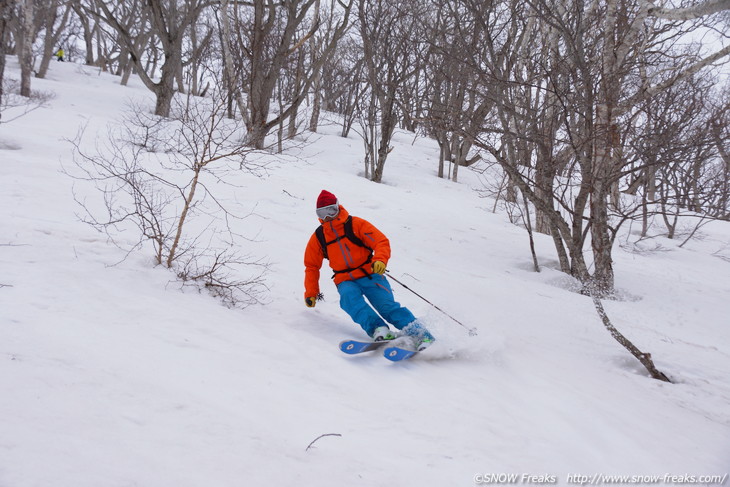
(168, 23)
(565, 108)
(678, 159)
(719, 206)
(457, 104)
(388, 30)
(100, 45)
(54, 26)
(230, 72)
(564, 128)
(343, 83)
(270, 35)
(15, 96)
(199, 48)
(317, 43)
(89, 26)
(153, 175)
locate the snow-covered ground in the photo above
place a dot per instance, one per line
(111, 375)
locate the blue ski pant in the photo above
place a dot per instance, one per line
(378, 292)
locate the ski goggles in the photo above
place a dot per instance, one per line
(330, 211)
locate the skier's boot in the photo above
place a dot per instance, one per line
(422, 338)
(382, 333)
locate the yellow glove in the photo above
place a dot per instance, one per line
(310, 302)
(378, 267)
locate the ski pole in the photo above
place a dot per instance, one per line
(472, 331)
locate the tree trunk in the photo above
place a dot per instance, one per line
(102, 59)
(233, 91)
(164, 95)
(543, 190)
(50, 43)
(528, 225)
(442, 157)
(49, 39)
(387, 127)
(457, 148)
(183, 216)
(603, 276)
(559, 247)
(126, 73)
(724, 186)
(5, 9)
(26, 48)
(601, 242)
(165, 88)
(263, 76)
(644, 358)
(316, 104)
(293, 128)
(315, 48)
(88, 33)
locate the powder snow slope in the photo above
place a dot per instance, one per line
(112, 375)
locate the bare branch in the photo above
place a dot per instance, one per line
(644, 358)
(150, 174)
(319, 437)
(695, 68)
(701, 10)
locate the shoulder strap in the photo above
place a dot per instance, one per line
(319, 232)
(349, 234)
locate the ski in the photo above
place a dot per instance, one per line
(393, 352)
(352, 347)
(396, 354)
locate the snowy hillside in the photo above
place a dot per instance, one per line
(111, 375)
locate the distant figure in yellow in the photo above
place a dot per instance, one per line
(59, 54)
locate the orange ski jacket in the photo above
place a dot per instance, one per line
(348, 260)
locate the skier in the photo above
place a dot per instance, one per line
(59, 54)
(358, 254)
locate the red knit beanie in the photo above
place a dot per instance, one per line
(326, 199)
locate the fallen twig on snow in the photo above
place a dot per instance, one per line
(321, 436)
